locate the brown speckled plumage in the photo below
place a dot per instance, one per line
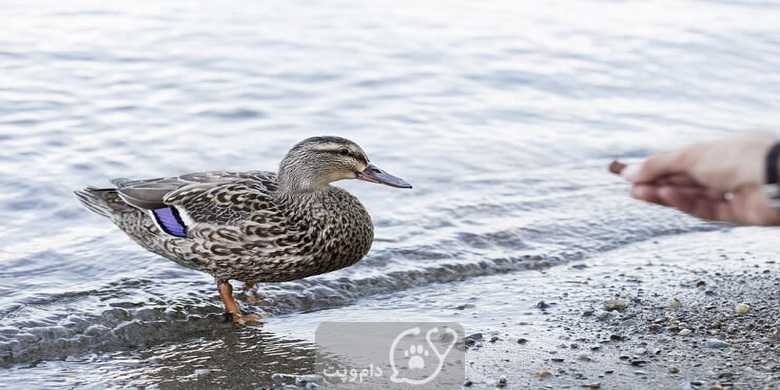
(254, 226)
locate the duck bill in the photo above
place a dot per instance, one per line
(375, 175)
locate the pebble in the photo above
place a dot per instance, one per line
(615, 304)
(472, 339)
(674, 302)
(674, 370)
(685, 332)
(617, 337)
(594, 385)
(468, 383)
(583, 356)
(742, 308)
(715, 343)
(501, 381)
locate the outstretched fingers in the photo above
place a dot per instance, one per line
(745, 207)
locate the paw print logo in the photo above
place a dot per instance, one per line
(415, 356)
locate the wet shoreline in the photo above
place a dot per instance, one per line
(672, 323)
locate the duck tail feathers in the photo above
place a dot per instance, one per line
(101, 201)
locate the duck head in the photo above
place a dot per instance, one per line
(318, 161)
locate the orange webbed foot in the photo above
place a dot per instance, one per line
(247, 319)
(226, 294)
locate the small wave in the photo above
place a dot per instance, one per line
(135, 313)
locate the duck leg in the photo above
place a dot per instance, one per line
(226, 294)
(249, 288)
(253, 295)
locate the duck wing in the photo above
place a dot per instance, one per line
(220, 198)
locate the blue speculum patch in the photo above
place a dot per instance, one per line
(170, 221)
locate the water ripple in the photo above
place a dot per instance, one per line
(503, 115)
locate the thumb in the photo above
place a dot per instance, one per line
(657, 166)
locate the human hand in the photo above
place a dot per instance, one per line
(718, 180)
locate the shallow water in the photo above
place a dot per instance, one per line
(503, 116)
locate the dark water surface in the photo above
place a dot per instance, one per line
(503, 115)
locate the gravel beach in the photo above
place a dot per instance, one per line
(658, 321)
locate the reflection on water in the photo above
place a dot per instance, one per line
(225, 356)
(503, 115)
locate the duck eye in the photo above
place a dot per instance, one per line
(344, 152)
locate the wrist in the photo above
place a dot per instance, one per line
(772, 176)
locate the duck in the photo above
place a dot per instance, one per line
(254, 226)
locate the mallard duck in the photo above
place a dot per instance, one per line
(254, 226)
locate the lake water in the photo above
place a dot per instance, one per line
(502, 114)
